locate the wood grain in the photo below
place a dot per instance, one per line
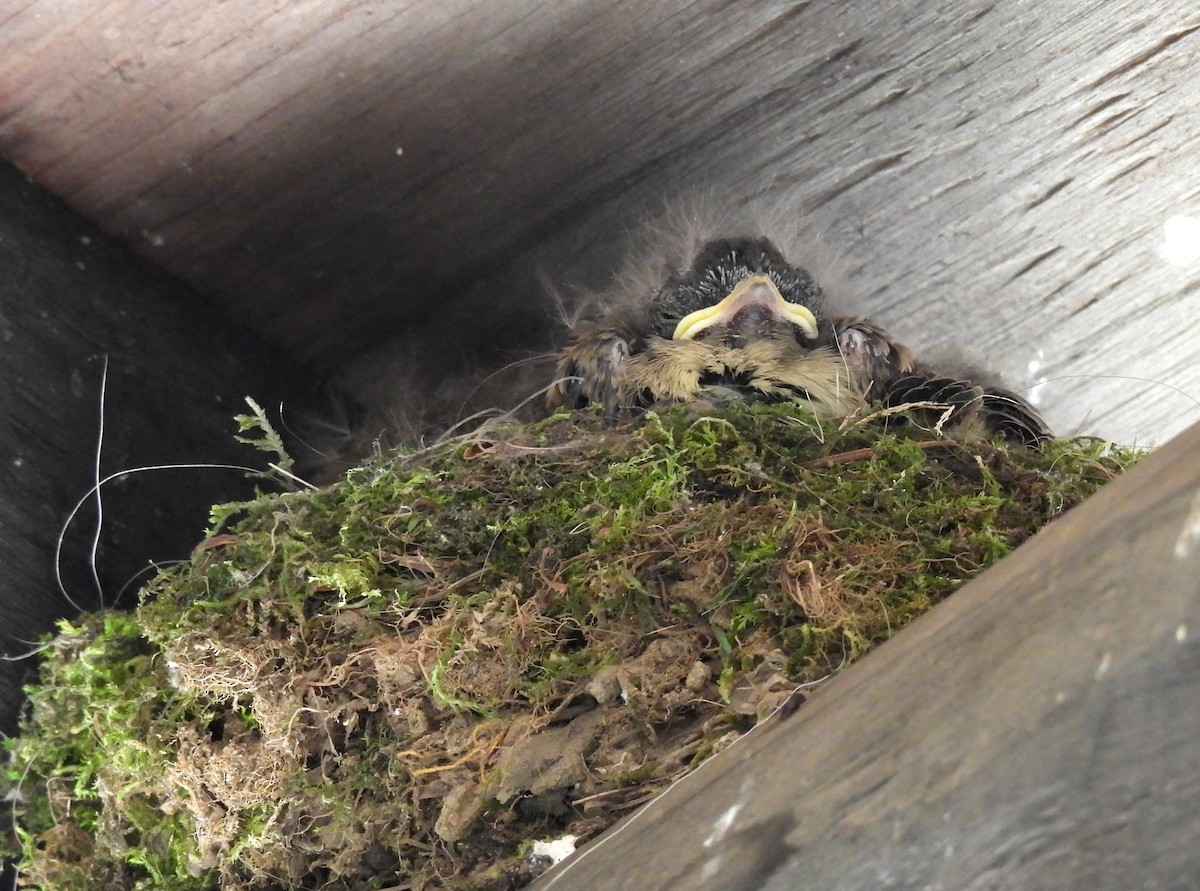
(1035, 731)
(335, 173)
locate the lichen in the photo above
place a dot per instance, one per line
(405, 676)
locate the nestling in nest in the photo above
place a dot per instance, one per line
(743, 322)
(403, 678)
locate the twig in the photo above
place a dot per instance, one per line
(928, 445)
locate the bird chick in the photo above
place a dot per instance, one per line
(743, 322)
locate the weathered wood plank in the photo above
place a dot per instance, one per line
(1038, 730)
(998, 174)
(177, 373)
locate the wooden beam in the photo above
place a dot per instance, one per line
(1038, 730)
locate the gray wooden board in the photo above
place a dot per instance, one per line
(177, 374)
(1037, 730)
(332, 172)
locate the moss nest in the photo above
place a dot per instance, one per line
(404, 678)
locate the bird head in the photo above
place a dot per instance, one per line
(738, 290)
(739, 321)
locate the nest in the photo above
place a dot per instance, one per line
(406, 678)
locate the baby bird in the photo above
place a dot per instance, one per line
(743, 322)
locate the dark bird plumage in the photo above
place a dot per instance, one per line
(742, 321)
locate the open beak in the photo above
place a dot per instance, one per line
(756, 291)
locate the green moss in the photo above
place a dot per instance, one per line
(296, 703)
(96, 769)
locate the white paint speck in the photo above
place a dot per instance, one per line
(1181, 634)
(1060, 697)
(722, 826)
(1102, 668)
(399, 151)
(556, 849)
(1189, 535)
(1181, 240)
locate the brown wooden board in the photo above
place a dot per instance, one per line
(331, 172)
(177, 375)
(1038, 730)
